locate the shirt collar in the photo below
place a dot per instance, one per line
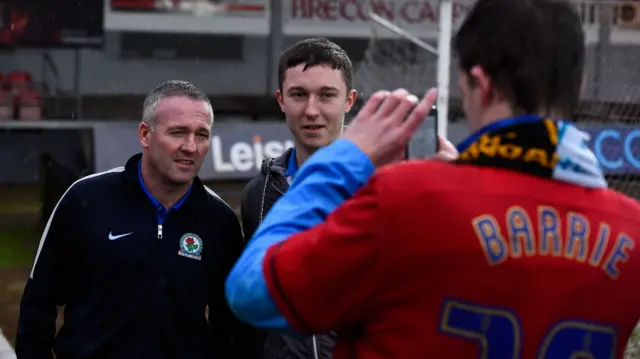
(497, 125)
(154, 201)
(292, 165)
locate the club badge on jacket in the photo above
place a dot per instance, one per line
(190, 246)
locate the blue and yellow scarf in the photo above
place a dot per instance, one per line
(540, 147)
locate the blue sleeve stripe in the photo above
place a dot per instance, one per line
(325, 181)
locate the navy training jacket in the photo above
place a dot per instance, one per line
(134, 279)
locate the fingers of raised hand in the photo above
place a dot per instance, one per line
(397, 105)
(446, 150)
(373, 104)
(420, 111)
(445, 145)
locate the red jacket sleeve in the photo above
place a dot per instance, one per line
(324, 278)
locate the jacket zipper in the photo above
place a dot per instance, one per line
(314, 340)
(315, 347)
(159, 231)
(276, 188)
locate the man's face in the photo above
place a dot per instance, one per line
(314, 102)
(181, 139)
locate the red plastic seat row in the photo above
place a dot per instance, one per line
(17, 81)
(26, 104)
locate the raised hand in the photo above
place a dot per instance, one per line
(384, 126)
(446, 150)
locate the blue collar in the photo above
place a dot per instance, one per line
(494, 126)
(292, 165)
(161, 212)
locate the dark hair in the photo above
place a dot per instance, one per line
(533, 51)
(313, 52)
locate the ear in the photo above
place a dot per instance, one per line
(144, 133)
(480, 80)
(280, 100)
(351, 99)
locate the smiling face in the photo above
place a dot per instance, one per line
(314, 101)
(175, 148)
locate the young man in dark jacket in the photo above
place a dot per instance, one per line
(315, 92)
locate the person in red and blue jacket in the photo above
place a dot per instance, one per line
(516, 249)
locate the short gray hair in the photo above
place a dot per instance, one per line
(169, 89)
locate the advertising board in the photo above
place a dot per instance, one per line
(246, 17)
(237, 149)
(350, 18)
(617, 148)
(236, 153)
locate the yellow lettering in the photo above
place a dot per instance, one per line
(492, 146)
(552, 131)
(549, 227)
(511, 152)
(601, 243)
(619, 253)
(472, 151)
(489, 145)
(577, 234)
(488, 231)
(554, 159)
(537, 155)
(519, 229)
(524, 239)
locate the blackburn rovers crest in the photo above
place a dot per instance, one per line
(190, 246)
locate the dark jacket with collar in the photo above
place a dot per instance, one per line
(259, 195)
(134, 284)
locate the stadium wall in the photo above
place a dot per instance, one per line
(105, 72)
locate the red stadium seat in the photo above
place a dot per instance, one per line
(133, 4)
(29, 105)
(6, 106)
(17, 81)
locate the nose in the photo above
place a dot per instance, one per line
(189, 145)
(312, 109)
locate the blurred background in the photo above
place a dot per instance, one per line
(74, 74)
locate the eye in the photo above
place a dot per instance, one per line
(328, 95)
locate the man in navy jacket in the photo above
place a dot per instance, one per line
(137, 253)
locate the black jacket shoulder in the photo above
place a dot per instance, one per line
(262, 191)
(218, 204)
(92, 189)
(98, 183)
(251, 211)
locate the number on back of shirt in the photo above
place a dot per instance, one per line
(499, 335)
